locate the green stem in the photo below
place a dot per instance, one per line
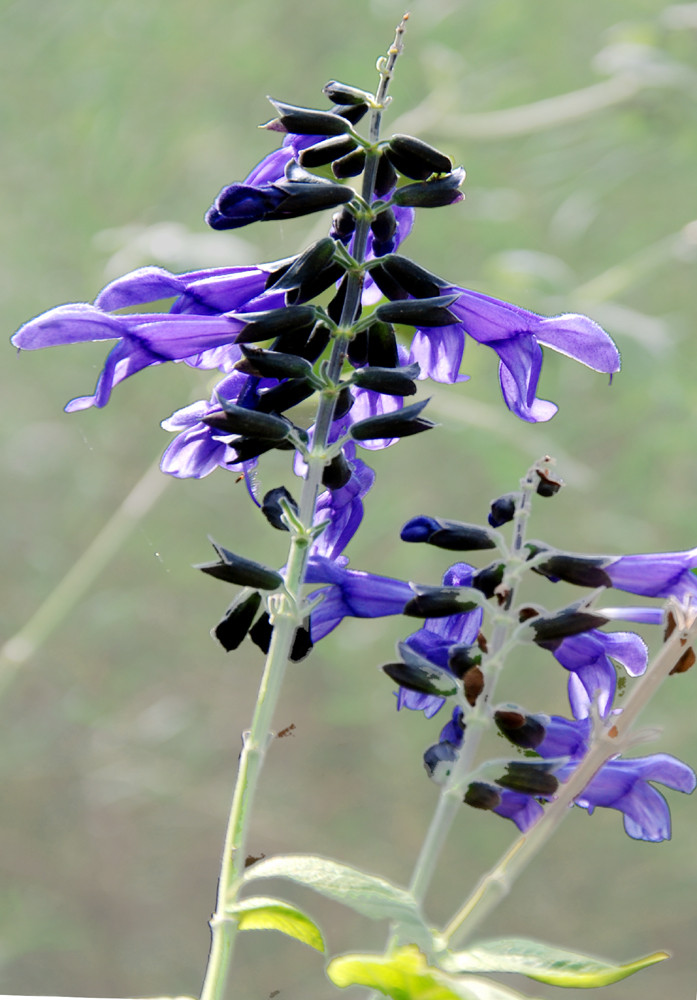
(479, 719)
(287, 605)
(609, 741)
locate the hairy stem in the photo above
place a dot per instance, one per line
(287, 615)
(479, 719)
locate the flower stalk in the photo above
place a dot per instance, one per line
(479, 718)
(287, 614)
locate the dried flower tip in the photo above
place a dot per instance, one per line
(547, 486)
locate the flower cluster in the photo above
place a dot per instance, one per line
(268, 329)
(449, 658)
(215, 314)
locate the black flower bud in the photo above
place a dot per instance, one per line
(384, 225)
(382, 346)
(438, 602)
(419, 312)
(343, 93)
(273, 511)
(526, 731)
(388, 285)
(307, 194)
(272, 364)
(311, 348)
(393, 381)
(385, 177)
(350, 165)
(357, 350)
(502, 510)
(306, 121)
(550, 630)
(480, 795)
(489, 578)
(336, 306)
(316, 283)
(416, 159)
(397, 424)
(343, 225)
(235, 569)
(306, 265)
(244, 449)
(431, 194)
(413, 278)
(454, 535)
(584, 571)
(324, 152)
(284, 396)
(237, 621)
(530, 778)
(337, 473)
(234, 419)
(265, 325)
(351, 112)
(425, 678)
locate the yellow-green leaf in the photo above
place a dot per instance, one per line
(403, 975)
(546, 964)
(260, 913)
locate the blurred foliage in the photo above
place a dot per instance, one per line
(120, 122)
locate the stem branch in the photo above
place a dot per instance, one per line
(496, 884)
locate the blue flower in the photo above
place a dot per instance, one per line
(620, 784)
(352, 593)
(198, 329)
(588, 658)
(650, 574)
(198, 448)
(624, 785)
(342, 509)
(517, 336)
(656, 574)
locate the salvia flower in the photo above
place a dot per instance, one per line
(622, 784)
(518, 337)
(649, 574)
(199, 329)
(351, 593)
(199, 448)
(589, 660)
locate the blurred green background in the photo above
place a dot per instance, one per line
(121, 119)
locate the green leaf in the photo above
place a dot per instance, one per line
(260, 913)
(545, 963)
(369, 895)
(405, 975)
